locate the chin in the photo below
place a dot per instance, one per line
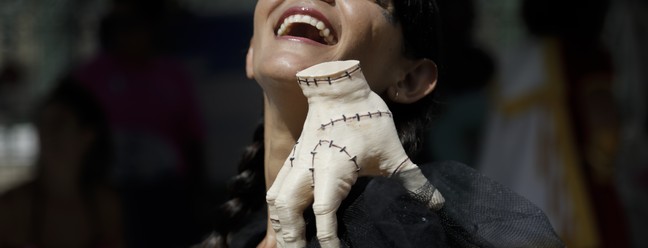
(283, 68)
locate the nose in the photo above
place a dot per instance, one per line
(329, 1)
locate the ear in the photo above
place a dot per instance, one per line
(249, 58)
(418, 82)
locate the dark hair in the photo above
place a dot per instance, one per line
(90, 115)
(246, 188)
(420, 24)
(420, 21)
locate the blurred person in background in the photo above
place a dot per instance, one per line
(155, 121)
(553, 134)
(69, 203)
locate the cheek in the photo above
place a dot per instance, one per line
(382, 61)
(376, 41)
(379, 82)
(262, 13)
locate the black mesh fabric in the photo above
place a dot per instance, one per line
(385, 215)
(478, 212)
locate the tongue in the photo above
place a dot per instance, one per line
(306, 31)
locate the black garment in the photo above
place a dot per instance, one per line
(379, 212)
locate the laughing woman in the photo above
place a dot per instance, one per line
(396, 43)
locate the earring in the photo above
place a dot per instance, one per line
(396, 97)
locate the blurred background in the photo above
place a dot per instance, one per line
(545, 96)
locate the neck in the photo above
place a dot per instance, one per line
(285, 110)
(284, 119)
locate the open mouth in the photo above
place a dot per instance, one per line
(307, 24)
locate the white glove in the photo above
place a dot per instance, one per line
(349, 132)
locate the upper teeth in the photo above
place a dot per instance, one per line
(306, 19)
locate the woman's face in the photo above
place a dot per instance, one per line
(284, 43)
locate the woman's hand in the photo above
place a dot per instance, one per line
(347, 134)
